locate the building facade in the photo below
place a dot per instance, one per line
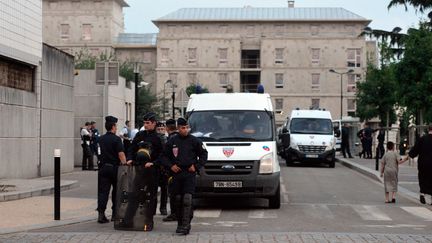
(36, 85)
(288, 50)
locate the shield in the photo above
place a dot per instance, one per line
(228, 152)
(175, 152)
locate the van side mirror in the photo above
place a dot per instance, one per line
(286, 140)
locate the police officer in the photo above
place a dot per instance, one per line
(112, 155)
(171, 129)
(87, 159)
(163, 176)
(149, 136)
(345, 146)
(185, 155)
(94, 143)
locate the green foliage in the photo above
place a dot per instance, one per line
(414, 72)
(377, 95)
(86, 60)
(146, 102)
(191, 89)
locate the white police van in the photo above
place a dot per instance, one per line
(311, 137)
(238, 130)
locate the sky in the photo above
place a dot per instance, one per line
(139, 15)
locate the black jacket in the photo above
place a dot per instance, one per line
(150, 137)
(185, 151)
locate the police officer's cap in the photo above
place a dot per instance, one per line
(170, 122)
(181, 122)
(150, 116)
(111, 119)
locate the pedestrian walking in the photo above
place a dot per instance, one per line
(185, 155)
(389, 170)
(152, 140)
(423, 149)
(112, 155)
(345, 146)
(94, 144)
(126, 135)
(171, 129)
(87, 158)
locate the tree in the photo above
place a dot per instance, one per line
(414, 73)
(376, 97)
(419, 5)
(146, 102)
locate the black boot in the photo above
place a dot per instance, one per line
(179, 213)
(102, 219)
(187, 214)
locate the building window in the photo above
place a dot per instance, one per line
(147, 57)
(279, 83)
(316, 55)
(16, 75)
(192, 78)
(351, 104)
(350, 29)
(279, 30)
(86, 31)
(164, 55)
(314, 30)
(64, 31)
(192, 56)
(173, 77)
(315, 103)
(354, 58)
(352, 82)
(279, 55)
(278, 104)
(315, 81)
(250, 30)
(223, 80)
(223, 55)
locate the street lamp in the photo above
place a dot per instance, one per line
(341, 88)
(164, 101)
(136, 72)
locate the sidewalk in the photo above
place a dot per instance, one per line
(408, 178)
(35, 209)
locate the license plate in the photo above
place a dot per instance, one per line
(311, 155)
(227, 184)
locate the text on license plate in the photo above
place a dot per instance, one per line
(311, 155)
(227, 184)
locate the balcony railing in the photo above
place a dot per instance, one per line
(250, 63)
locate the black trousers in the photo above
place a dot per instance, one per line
(107, 178)
(87, 159)
(345, 147)
(163, 184)
(368, 148)
(184, 182)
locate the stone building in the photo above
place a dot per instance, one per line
(36, 95)
(288, 50)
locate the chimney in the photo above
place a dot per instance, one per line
(291, 4)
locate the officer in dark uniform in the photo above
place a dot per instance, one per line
(345, 146)
(112, 155)
(185, 155)
(163, 176)
(94, 143)
(150, 137)
(368, 140)
(171, 129)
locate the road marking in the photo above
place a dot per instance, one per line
(319, 211)
(262, 214)
(420, 212)
(207, 213)
(370, 213)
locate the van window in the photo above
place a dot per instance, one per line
(231, 125)
(311, 126)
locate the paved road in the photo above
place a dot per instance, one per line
(315, 199)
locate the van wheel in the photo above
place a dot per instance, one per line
(274, 201)
(332, 164)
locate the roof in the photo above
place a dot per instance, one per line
(229, 101)
(136, 39)
(261, 14)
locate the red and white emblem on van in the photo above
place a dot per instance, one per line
(228, 152)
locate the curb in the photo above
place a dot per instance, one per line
(47, 225)
(43, 191)
(374, 175)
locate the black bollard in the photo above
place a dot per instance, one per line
(57, 184)
(377, 156)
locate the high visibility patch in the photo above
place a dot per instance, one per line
(175, 152)
(228, 152)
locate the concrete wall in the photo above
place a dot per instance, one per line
(88, 105)
(57, 109)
